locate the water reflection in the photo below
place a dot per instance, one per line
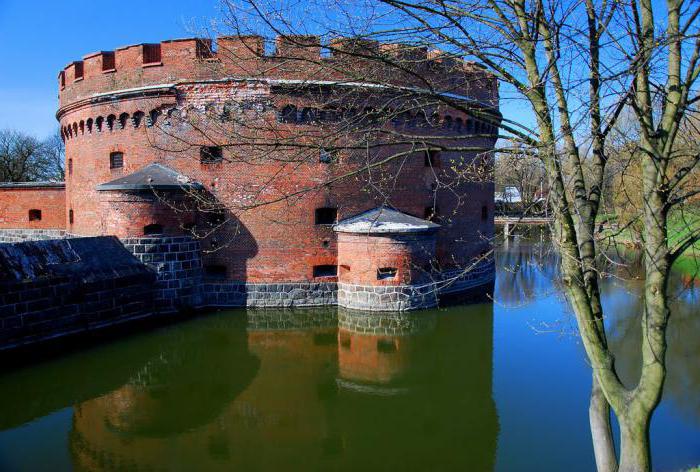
(272, 389)
(341, 390)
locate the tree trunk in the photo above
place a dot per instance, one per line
(601, 431)
(635, 455)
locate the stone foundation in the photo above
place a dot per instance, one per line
(181, 286)
(415, 297)
(389, 324)
(224, 293)
(22, 235)
(177, 262)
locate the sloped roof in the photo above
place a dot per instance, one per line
(152, 177)
(384, 220)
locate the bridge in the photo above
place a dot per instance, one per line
(510, 221)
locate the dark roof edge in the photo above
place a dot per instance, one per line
(32, 185)
(142, 188)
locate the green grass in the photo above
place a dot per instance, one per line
(680, 225)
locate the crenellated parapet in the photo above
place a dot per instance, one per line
(294, 58)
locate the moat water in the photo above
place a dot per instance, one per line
(491, 386)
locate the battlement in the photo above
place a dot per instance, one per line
(294, 57)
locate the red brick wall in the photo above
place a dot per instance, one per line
(15, 203)
(360, 255)
(275, 242)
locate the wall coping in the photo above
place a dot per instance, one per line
(30, 185)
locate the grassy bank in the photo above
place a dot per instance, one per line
(680, 225)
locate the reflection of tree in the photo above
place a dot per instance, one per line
(526, 268)
(683, 364)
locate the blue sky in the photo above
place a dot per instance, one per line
(38, 38)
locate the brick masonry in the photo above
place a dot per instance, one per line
(17, 199)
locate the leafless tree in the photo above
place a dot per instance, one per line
(575, 66)
(24, 158)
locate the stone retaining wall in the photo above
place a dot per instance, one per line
(54, 288)
(177, 262)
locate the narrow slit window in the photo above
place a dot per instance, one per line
(385, 273)
(152, 229)
(325, 271)
(70, 216)
(386, 346)
(34, 215)
(116, 160)
(326, 216)
(211, 154)
(215, 271)
(431, 158)
(484, 213)
(79, 70)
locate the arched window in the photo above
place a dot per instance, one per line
(88, 123)
(81, 126)
(99, 123)
(447, 122)
(153, 228)
(75, 129)
(136, 118)
(458, 125)
(308, 115)
(153, 118)
(110, 122)
(34, 215)
(123, 119)
(70, 216)
(210, 154)
(431, 158)
(288, 114)
(470, 126)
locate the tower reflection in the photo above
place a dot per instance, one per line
(315, 389)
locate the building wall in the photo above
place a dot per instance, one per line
(17, 199)
(277, 242)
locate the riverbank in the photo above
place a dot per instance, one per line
(680, 226)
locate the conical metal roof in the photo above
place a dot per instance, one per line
(152, 177)
(384, 220)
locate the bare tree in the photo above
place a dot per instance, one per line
(24, 158)
(575, 66)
